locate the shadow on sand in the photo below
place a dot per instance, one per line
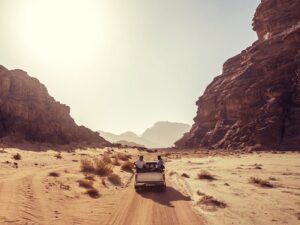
(165, 198)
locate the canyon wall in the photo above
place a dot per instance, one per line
(255, 102)
(28, 112)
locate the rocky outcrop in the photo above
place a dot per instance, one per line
(27, 112)
(256, 100)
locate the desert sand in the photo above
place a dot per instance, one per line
(239, 201)
(42, 188)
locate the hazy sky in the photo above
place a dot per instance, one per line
(124, 64)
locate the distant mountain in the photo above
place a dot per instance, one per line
(160, 135)
(164, 134)
(127, 138)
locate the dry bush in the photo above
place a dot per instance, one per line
(114, 179)
(185, 175)
(103, 182)
(116, 162)
(87, 165)
(211, 201)
(260, 182)
(58, 155)
(200, 193)
(54, 174)
(88, 184)
(89, 177)
(172, 173)
(123, 156)
(204, 175)
(17, 156)
(106, 158)
(102, 168)
(127, 166)
(94, 193)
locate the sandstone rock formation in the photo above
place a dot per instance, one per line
(256, 100)
(27, 112)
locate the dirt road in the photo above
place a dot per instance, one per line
(30, 196)
(152, 208)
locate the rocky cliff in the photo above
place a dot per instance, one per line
(256, 100)
(27, 112)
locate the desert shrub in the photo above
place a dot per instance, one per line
(211, 201)
(114, 179)
(102, 168)
(54, 174)
(260, 182)
(93, 192)
(85, 183)
(89, 177)
(17, 156)
(58, 155)
(200, 193)
(172, 173)
(103, 182)
(185, 175)
(204, 175)
(87, 165)
(116, 162)
(123, 156)
(127, 166)
(106, 158)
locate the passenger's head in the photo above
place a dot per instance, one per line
(141, 158)
(159, 157)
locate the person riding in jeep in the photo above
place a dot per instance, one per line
(160, 163)
(140, 164)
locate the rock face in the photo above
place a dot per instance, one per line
(27, 112)
(256, 100)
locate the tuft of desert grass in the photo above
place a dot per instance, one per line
(200, 193)
(54, 174)
(123, 156)
(58, 155)
(116, 162)
(102, 168)
(260, 182)
(115, 179)
(89, 177)
(94, 193)
(185, 175)
(211, 201)
(172, 173)
(17, 156)
(87, 165)
(127, 166)
(106, 158)
(88, 184)
(204, 175)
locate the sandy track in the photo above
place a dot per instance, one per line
(29, 196)
(151, 208)
(22, 198)
(23, 201)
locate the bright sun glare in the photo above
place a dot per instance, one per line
(68, 32)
